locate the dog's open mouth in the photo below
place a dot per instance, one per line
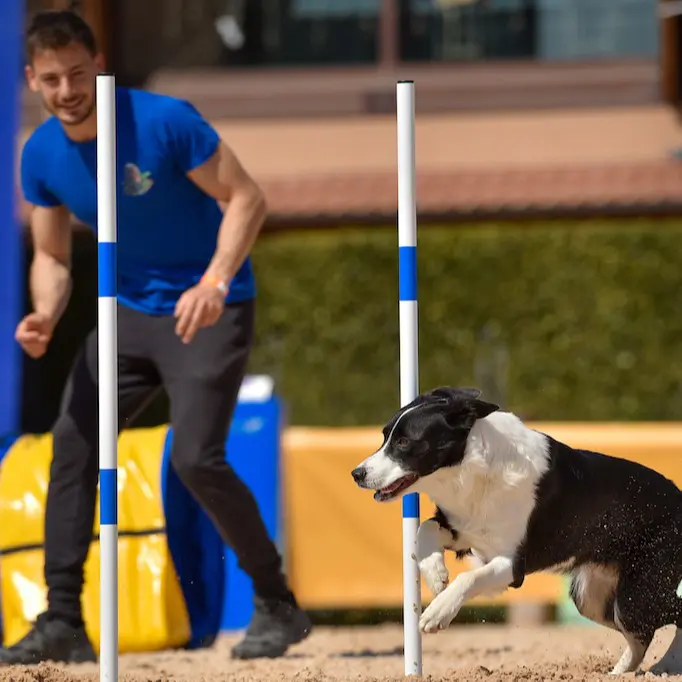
(393, 490)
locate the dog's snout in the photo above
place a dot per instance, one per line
(359, 474)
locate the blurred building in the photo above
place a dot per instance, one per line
(524, 106)
(452, 39)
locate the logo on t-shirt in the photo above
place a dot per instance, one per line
(136, 183)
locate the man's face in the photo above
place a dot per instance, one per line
(65, 79)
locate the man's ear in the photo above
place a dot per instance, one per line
(483, 409)
(31, 78)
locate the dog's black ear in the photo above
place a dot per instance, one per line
(483, 409)
(450, 394)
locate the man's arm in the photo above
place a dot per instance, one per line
(50, 273)
(223, 177)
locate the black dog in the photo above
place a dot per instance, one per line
(518, 502)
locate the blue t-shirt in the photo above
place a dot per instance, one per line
(167, 227)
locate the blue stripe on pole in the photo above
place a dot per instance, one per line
(108, 497)
(411, 506)
(106, 273)
(407, 273)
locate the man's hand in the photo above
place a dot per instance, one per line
(200, 306)
(34, 333)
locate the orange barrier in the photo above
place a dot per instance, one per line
(345, 550)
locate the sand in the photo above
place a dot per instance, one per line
(473, 653)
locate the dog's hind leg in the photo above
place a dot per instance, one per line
(594, 590)
(648, 597)
(638, 635)
(632, 656)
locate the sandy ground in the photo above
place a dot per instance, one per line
(471, 653)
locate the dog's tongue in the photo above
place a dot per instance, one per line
(393, 486)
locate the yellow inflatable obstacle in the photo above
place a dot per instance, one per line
(151, 605)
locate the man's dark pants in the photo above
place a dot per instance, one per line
(202, 380)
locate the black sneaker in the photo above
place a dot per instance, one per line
(275, 626)
(50, 640)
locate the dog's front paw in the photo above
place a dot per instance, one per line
(435, 573)
(440, 612)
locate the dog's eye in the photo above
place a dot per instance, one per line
(402, 442)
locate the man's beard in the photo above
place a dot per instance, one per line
(71, 121)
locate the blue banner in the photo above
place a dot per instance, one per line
(11, 251)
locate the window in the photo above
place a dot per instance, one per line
(321, 31)
(589, 29)
(467, 30)
(551, 30)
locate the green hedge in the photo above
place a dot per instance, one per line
(587, 315)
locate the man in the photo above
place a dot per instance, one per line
(185, 320)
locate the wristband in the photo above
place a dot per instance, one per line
(216, 282)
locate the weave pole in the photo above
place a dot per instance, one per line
(409, 359)
(107, 350)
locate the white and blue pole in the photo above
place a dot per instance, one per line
(409, 359)
(107, 374)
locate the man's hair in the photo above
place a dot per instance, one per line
(54, 29)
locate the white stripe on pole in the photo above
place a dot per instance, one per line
(409, 359)
(107, 374)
